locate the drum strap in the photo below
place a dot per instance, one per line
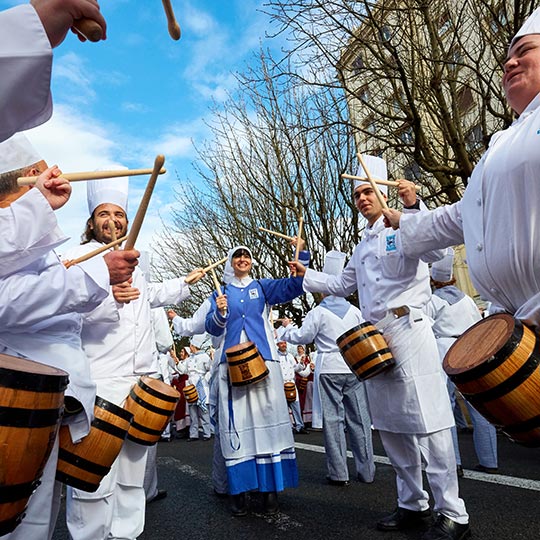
(232, 428)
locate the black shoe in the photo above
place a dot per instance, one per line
(459, 471)
(192, 439)
(238, 504)
(340, 483)
(206, 438)
(446, 529)
(487, 470)
(362, 480)
(164, 439)
(220, 495)
(403, 519)
(161, 494)
(302, 431)
(270, 502)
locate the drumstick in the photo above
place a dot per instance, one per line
(89, 29)
(139, 217)
(217, 286)
(281, 235)
(373, 184)
(379, 181)
(298, 238)
(73, 262)
(173, 26)
(213, 265)
(112, 228)
(90, 175)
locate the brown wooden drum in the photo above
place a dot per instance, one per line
(290, 392)
(246, 365)
(83, 465)
(301, 382)
(191, 394)
(365, 350)
(152, 403)
(31, 407)
(494, 364)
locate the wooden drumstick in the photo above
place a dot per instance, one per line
(281, 235)
(172, 24)
(216, 281)
(298, 238)
(139, 217)
(372, 182)
(214, 265)
(112, 228)
(82, 258)
(90, 175)
(89, 29)
(378, 181)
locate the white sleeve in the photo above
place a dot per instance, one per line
(171, 291)
(195, 324)
(25, 65)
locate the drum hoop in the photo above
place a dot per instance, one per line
(526, 425)
(156, 393)
(371, 357)
(34, 382)
(148, 406)
(521, 375)
(75, 482)
(358, 339)
(142, 442)
(15, 492)
(111, 429)
(375, 369)
(244, 360)
(115, 409)
(354, 329)
(253, 380)
(147, 430)
(240, 351)
(29, 418)
(82, 463)
(494, 361)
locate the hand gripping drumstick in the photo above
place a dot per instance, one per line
(69, 264)
(89, 29)
(372, 182)
(172, 25)
(90, 175)
(379, 181)
(139, 217)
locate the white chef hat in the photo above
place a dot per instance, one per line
(334, 262)
(530, 26)
(198, 340)
(228, 272)
(108, 190)
(442, 270)
(377, 170)
(17, 152)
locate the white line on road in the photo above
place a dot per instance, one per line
(522, 483)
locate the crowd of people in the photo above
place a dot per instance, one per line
(105, 323)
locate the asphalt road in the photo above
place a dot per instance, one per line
(502, 506)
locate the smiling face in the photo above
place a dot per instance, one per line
(99, 223)
(367, 203)
(241, 263)
(521, 79)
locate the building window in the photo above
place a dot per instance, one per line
(385, 34)
(412, 171)
(406, 135)
(445, 23)
(465, 99)
(370, 125)
(475, 138)
(358, 64)
(499, 22)
(364, 95)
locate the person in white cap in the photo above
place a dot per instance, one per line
(453, 312)
(498, 216)
(41, 303)
(197, 366)
(409, 403)
(118, 340)
(27, 35)
(256, 439)
(343, 396)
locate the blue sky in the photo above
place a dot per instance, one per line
(139, 93)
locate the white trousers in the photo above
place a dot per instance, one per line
(407, 452)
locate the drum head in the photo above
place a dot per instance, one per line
(28, 366)
(239, 349)
(479, 343)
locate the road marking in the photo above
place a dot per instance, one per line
(512, 481)
(281, 521)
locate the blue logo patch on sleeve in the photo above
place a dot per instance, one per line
(391, 243)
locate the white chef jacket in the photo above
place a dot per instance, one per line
(25, 65)
(21, 244)
(498, 218)
(323, 327)
(196, 366)
(195, 324)
(118, 338)
(39, 320)
(289, 367)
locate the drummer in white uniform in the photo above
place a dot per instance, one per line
(498, 217)
(118, 340)
(409, 403)
(27, 35)
(39, 319)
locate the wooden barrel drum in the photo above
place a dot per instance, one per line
(31, 407)
(494, 364)
(190, 393)
(83, 465)
(152, 403)
(301, 382)
(365, 350)
(246, 365)
(290, 392)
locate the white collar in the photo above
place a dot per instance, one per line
(243, 282)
